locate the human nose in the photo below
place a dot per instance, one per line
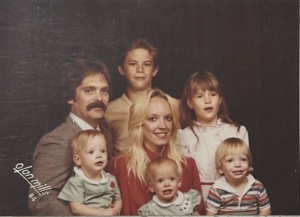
(140, 68)
(162, 124)
(99, 155)
(166, 182)
(237, 163)
(207, 99)
(98, 96)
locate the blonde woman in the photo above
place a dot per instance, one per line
(153, 124)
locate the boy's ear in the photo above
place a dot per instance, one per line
(77, 159)
(150, 187)
(220, 171)
(155, 71)
(120, 69)
(70, 102)
(189, 104)
(250, 169)
(179, 181)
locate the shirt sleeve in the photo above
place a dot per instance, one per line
(72, 191)
(52, 166)
(195, 197)
(117, 194)
(213, 201)
(182, 143)
(243, 135)
(191, 180)
(263, 199)
(145, 211)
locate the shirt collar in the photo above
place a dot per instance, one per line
(224, 185)
(153, 155)
(104, 178)
(218, 124)
(178, 200)
(81, 123)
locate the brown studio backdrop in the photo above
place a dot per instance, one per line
(251, 46)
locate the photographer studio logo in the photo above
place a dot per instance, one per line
(41, 189)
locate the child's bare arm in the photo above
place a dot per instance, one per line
(210, 213)
(265, 212)
(82, 209)
(117, 206)
(195, 213)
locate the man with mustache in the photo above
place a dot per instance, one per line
(87, 83)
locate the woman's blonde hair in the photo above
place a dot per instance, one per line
(232, 146)
(136, 155)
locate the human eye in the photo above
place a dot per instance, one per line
(199, 96)
(214, 94)
(91, 152)
(244, 159)
(229, 160)
(105, 91)
(169, 118)
(132, 63)
(152, 119)
(88, 90)
(159, 180)
(103, 151)
(147, 64)
(172, 178)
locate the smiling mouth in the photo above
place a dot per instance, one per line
(161, 134)
(238, 172)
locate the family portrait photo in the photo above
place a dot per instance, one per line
(149, 107)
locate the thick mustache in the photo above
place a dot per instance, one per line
(97, 104)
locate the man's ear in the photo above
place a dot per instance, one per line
(77, 159)
(120, 69)
(155, 71)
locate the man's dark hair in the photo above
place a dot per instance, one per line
(79, 70)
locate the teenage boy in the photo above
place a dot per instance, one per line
(139, 66)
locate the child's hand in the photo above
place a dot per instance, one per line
(108, 211)
(116, 212)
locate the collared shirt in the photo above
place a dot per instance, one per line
(223, 199)
(103, 180)
(203, 146)
(81, 189)
(184, 204)
(81, 123)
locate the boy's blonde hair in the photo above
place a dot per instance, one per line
(81, 139)
(136, 155)
(159, 162)
(232, 146)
